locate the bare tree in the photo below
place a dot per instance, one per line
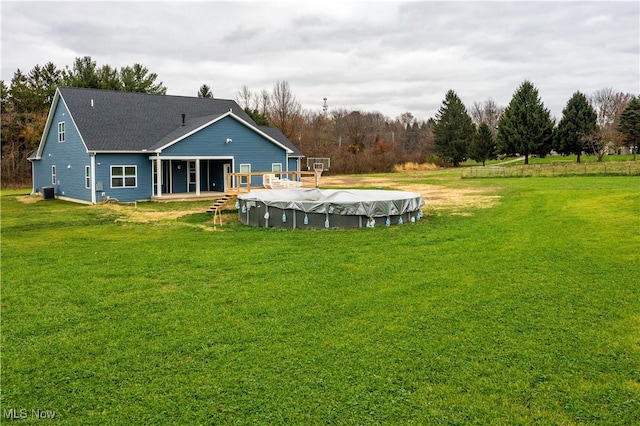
(244, 97)
(263, 102)
(285, 110)
(486, 112)
(608, 105)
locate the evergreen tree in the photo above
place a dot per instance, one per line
(483, 145)
(258, 118)
(526, 127)
(138, 79)
(630, 124)
(109, 78)
(577, 125)
(83, 74)
(453, 130)
(205, 92)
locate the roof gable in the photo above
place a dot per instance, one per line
(127, 121)
(194, 125)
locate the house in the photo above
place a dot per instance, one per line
(100, 144)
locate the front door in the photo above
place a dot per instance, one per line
(191, 176)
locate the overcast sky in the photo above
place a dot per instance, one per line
(391, 56)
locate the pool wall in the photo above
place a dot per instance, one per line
(324, 209)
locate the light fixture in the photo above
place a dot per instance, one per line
(229, 140)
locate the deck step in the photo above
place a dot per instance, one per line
(220, 204)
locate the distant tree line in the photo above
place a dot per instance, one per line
(359, 142)
(356, 141)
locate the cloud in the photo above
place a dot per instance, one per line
(387, 56)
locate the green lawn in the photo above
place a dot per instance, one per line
(524, 313)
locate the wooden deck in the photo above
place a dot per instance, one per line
(189, 196)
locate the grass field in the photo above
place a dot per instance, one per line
(527, 312)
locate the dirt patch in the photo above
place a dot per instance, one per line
(29, 199)
(128, 213)
(435, 197)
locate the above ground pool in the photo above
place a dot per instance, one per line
(328, 208)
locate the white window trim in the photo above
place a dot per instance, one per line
(87, 177)
(54, 179)
(124, 176)
(244, 179)
(61, 132)
(277, 172)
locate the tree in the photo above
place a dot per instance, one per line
(356, 129)
(285, 109)
(138, 79)
(109, 78)
(525, 127)
(258, 118)
(4, 95)
(454, 130)
(483, 145)
(84, 73)
(487, 112)
(263, 101)
(244, 97)
(24, 113)
(608, 105)
(205, 92)
(630, 124)
(577, 126)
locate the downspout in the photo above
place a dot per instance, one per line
(92, 176)
(33, 178)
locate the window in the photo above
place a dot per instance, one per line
(53, 175)
(87, 177)
(276, 167)
(124, 176)
(244, 168)
(61, 131)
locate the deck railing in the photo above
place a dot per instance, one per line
(241, 182)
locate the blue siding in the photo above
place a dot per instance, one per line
(246, 146)
(293, 165)
(70, 158)
(144, 184)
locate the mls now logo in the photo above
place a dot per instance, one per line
(15, 413)
(23, 413)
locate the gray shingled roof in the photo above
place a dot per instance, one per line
(126, 121)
